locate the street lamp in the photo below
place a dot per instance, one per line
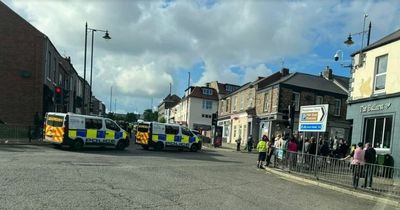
(349, 41)
(107, 37)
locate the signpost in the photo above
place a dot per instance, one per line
(313, 119)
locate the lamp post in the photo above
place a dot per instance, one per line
(107, 37)
(349, 40)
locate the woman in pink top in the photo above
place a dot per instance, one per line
(357, 164)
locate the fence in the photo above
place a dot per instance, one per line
(373, 177)
(18, 134)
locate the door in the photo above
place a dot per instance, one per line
(94, 131)
(112, 132)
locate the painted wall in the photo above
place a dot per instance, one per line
(196, 112)
(363, 77)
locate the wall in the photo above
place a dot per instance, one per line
(196, 111)
(21, 69)
(363, 78)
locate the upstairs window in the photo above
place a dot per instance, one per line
(296, 101)
(338, 105)
(319, 100)
(207, 91)
(267, 102)
(380, 73)
(207, 104)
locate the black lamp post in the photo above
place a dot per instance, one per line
(107, 37)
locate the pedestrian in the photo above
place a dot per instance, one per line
(370, 158)
(292, 153)
(238, 141)
(250, 143)
(357, 163)
(270, 151)
(262, 151)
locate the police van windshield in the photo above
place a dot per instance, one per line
(143, 128)
(56, 121)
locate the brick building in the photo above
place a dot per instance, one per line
(299, 89)
(30, 69)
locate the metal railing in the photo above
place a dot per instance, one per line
(18, 134)
(373, 177)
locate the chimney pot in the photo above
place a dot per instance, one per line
(284, 72)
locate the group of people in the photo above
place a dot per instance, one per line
(362, 163)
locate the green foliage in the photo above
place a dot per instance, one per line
(162, 120)
(149, 115)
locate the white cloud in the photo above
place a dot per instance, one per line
(150, 43)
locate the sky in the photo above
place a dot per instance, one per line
(156, 43)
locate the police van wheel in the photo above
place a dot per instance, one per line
(194, 148)
(57, 146)
(121, 145)
(145, 147)
(159, 146)
(77, 145)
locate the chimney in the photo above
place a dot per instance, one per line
(284, 72)
(208, 84)
(328, 73)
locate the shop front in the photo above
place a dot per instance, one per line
(377, 122)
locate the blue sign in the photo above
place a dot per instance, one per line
(306, 127)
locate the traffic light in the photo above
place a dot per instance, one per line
(58, 95)
(214, 119)
(66, 97)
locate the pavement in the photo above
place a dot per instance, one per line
(42, 177)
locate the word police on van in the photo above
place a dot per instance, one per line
(78, 130)
(161, 135)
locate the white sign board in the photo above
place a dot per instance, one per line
(313, 118)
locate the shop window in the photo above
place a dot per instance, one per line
(378, 131)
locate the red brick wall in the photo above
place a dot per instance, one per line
(21, 69)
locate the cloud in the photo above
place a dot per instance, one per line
(153, 40)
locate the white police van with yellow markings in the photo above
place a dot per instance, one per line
(161, 135)
(82, 130)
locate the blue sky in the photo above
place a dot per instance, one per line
(155, 43)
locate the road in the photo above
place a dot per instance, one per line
(42, 177)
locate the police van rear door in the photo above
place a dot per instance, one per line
(54, 127)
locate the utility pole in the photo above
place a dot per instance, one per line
(110, 98)
(187, 101)
(170, 88)
(115, 106)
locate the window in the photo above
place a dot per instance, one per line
(234, 103)
(207, 91)
(228, 101)
(221, 108)
(266, 102)
(296, 100)
(229, 88)
(377, 131)
(337, 107)
(94, 124)
(242, 103)
(186, 132)
(48, 70)
(55, 70)
(234, 131)
(319, 100)
(169, 129)
(250, 99)
(380, 73)
(111, 125)
(207, 104)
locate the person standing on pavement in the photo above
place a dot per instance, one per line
(357, 164)
(262, 151)
(238, 141)
(250, 143)
(370, 158)
(270, 152)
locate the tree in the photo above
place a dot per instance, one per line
(162, 120)
(131, 117)
(149, 115)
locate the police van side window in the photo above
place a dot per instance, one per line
(93, 124)
(186, 132)
(111, 125)
(171, 130)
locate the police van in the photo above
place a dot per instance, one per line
(161, 135)
(82, 130)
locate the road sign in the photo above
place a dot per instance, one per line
(313, 118)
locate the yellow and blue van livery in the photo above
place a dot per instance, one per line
(79, 130)
(161, 135)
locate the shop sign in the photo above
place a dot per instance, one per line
(375, 107)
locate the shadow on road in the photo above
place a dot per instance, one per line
(135, 150)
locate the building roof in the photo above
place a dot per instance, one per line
(197, 92)
(383, 41)
(245, 86)
(222, 88)
(312, 82)
(343, 81)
